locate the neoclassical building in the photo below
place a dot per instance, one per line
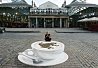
(19, 14)
(48, 15)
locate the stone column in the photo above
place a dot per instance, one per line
(44, 23)
(36, 22)
(60, 22)
(52, 22)
(66, 23)
(29, 22)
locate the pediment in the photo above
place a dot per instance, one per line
(48, 4)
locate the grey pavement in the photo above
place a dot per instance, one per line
(82, 48)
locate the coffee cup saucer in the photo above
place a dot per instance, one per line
(28, 60)
(28, 53)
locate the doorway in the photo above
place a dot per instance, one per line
(48, 22)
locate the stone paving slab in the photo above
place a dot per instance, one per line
(74, 30)
(21, 30)
(82, 48)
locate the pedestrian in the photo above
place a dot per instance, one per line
(47, 37)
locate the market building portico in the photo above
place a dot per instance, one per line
(48, 15)
(48, 21)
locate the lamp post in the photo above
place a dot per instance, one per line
(4, 16)
(70, 20)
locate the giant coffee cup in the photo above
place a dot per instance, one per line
(49, 51)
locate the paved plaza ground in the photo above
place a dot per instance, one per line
(80, 45)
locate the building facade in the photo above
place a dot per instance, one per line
(14, 14)
(19, 14)
(48, 15)
(80, 9)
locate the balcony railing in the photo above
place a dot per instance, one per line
(48, 13)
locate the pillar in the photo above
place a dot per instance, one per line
(44, 23)
(66, 23)
(60, 22)
(36, 22)
(29, 23)
(52, 22)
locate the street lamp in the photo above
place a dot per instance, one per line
(4, 14)
(3, 24)
(16, 13)
(80, 13)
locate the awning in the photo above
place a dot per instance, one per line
(88, 19)
(83, 20)
(93, 19)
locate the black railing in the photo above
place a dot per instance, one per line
(48, 13)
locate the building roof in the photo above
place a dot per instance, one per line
(20, 3)
(48, 4)
(81, 4)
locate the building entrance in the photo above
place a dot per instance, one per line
(40, 22)
(48, 22)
